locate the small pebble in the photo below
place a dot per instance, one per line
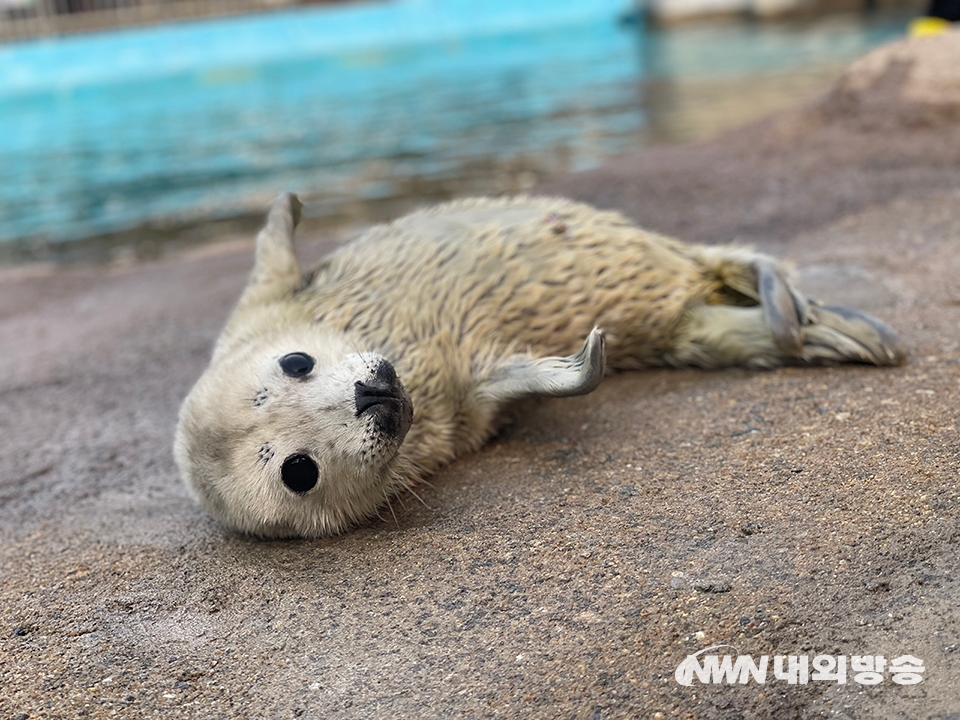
(712, 586)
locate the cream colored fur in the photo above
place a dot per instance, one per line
(475, 303)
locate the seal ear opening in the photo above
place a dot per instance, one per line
(276, 271)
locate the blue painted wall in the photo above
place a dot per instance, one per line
(99, 132)
(105, 131)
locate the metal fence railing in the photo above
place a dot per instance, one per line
(33, 18)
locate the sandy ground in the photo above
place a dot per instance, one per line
(569, 567)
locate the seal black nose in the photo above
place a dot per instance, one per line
(378, 392)
(382, 389)
(382, 397)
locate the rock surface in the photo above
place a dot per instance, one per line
(568, 568)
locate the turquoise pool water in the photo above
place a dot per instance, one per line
(346, 104)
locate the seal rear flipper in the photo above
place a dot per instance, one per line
(756, 317)
(785, 309)
(716, 336)
(839, 334)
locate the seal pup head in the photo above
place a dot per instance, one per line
(291, 430)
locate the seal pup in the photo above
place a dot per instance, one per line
(331, 389)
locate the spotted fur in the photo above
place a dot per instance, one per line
(475, 303)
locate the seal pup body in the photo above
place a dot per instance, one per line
(415, 335)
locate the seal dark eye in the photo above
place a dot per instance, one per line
(299, 473)
(297, 364)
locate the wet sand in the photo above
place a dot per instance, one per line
(569, 567)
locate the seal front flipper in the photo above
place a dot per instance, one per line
(520, 376)
(270, 297)
(276, 270)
